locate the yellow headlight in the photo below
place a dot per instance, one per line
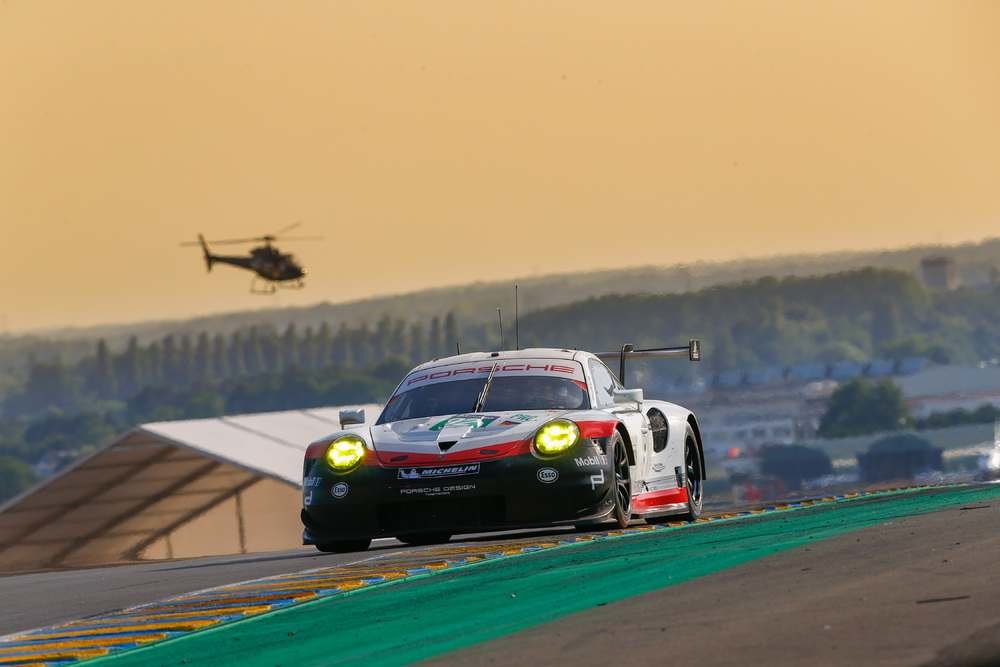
(345, 453)
(556, 437)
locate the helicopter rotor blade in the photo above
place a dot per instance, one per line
(300, 238)
(226, 241)
(287, 228)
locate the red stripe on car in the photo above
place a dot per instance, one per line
(597, 429)
(647, 501)
(481, 453)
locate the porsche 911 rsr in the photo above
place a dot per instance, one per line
(501, 440)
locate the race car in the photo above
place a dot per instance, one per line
(500, 440)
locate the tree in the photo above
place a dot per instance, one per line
(380, 340)
(722, 353)
(15, 477)
(862, 406)
(340, 349)
(102, 380)
(270, 349)
(434, 341)
(169, 361)
(362, 353)
(187, 361)
(253, 359)
(793, 464)
(450, 333)
(289, 348)
(418, 347)
(900, 456)
(307, 349)
(154, 364)
(202, 366)
(49, 385)
(219, 358)
(130, 368)
(885, 324)
(323, 344)
(398, 347)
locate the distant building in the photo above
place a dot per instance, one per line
(939, 273)
(748, 430)
(944, 388)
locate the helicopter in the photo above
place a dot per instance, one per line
(271, 267)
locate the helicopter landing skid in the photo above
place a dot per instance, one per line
(268, 286)
(263, 286)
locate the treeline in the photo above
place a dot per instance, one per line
(853, 316)
(182, 361)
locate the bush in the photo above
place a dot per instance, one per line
(793, 464)
(900, 456)
(862, 406)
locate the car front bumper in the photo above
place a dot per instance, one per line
(513, 492)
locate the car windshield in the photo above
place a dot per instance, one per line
(535, 392)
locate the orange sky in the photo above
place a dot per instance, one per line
(438, 142)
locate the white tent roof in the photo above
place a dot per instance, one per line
(154, 479)
(268, 443)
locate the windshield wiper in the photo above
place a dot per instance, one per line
(486, 389)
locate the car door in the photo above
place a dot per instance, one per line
(604, 384)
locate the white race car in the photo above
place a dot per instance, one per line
(501, 440)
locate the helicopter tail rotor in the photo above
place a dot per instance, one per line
(209, 260)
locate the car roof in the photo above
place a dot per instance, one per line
(528, 353)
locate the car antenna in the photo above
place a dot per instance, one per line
(458, 347)
(517, 338)
(500, 322)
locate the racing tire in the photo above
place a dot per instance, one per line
(694, 483)
(344, 546)
(622, 479)
(693, 475)
(424, 539)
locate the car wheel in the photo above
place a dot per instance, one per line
(623, 482)
(344, 546)
(694, 483)
(693, 476)
(423, 539)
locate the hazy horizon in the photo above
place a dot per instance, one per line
(269, 304)
(450, 143)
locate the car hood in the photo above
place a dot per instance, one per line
(461, 437)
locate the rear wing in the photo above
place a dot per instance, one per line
(692, 351)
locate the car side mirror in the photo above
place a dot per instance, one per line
(625, 396)
(352, 417)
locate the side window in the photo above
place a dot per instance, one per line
(604, 384)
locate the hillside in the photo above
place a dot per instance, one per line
(857, 315)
